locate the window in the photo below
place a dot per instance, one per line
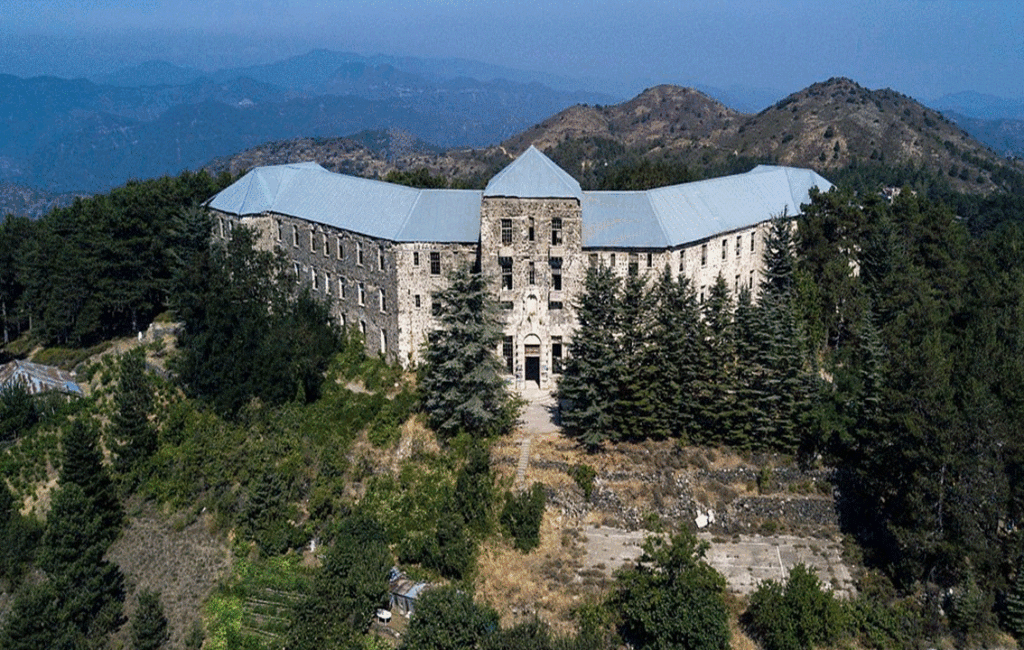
(751, 242)
(380, 259)
(416, 300)
(702, 287)
(506, 351)
(415, 258)
(435, 263)
(280, 230)
(650, 260)
(327, 245)
(315, 279)
(362, 328)
(384, 300)
(556, 273)
(750, 281)
(634, 265)
(506, 231)
(435, 309)
(737, 289)
(725, 247)
(327, 283)
(506, 272)
(362, 294)
(341, 288)
(739, 244)
(703, 254)
(530, 230)
(556, 231)
(682, 261)
(312, 240)
(295, 236)
(556, 355)
(344, 321)
(612, 261)
(554, 305)
(359, 253)
(383, 343)
(593, 260)
(341, 249)
(297, 270)
(532, 274)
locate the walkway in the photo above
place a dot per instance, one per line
(538, 417)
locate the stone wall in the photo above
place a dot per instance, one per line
(530, 251)
(420, 279)
(356, 274)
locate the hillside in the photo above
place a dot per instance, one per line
(828, 126)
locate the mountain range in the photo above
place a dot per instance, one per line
(827, 126)
(61, 138)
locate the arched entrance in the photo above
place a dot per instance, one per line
(531, 353)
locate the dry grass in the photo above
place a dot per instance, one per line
(543, 582)
(181, 563)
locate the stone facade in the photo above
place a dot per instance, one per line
(536, 233)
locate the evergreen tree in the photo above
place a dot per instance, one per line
(134, 437)
(149, 625)
(1013, 618)
(588, 388)
(82, 465)
(636, 407)
(462, 384)
(720, 410)
(247, 333)
(675, 357)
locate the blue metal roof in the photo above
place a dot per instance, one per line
(534, 176)
(675, 215)
(36, 378)
(374, 208)
(657, 218)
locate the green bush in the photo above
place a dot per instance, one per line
(796, 616)
(522, 515)
(584, 476)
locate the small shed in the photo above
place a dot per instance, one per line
(36, 378)
(404, 592)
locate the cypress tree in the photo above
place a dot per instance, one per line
(149, 625)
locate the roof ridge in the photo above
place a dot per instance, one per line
(657, 216)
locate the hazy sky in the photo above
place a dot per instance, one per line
(924, 48)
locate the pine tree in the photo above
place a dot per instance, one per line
(588, 388)
(82, 465)
(636, 405)
(675, 356)
(462, 384)
(719, 406)
(134, 437)
(1014, 614)
(149, 625)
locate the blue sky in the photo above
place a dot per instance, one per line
(924, 48)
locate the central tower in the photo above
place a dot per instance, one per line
(531, 253)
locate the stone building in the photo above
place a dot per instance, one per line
(379, 251)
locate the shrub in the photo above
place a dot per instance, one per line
(796, 616)
(522, 516)
(584, 476)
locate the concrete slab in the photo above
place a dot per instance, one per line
(745, 560)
